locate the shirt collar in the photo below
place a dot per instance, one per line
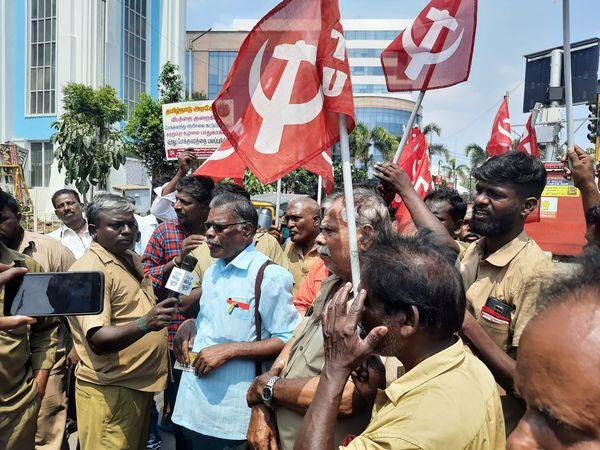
(504, 255)
(106, 256)
(8, 256)
(243, 260)
(426, 371)
(65, 229)
(26, 241)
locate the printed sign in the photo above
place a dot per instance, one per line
(191, 126)
(549, 206)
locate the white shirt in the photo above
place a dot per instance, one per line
(146, 226)
(78, 244)
(162, 206)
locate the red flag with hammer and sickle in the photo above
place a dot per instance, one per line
(224, 163)
(528, 142)
(435, 51)
(280, 102)
(501, 140)
(322, 166)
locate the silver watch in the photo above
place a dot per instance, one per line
(267, 393)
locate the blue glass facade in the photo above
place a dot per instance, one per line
(219, 65)
(366, 70)
(370, 89)
(371, 35)
(392, 120)
(364, 52)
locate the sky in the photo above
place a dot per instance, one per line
(506, 30)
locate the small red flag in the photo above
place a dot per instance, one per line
(280, 102)
(322, 166)
(224, 163)
(528, 142)
(435, 51)
(501, 139)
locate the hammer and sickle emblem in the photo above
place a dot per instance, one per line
(278, 112)
(422, 55)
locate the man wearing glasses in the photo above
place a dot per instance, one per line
(211, 410)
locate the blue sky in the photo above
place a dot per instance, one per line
(507, 30)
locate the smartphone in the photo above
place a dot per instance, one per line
(55, 294)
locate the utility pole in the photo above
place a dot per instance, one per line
(190, 61)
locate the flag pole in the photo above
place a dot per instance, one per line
(349, 198)
(409, 126)
(568, 78)
(278, 203)
(319, 189)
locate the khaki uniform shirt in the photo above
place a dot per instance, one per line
(143, 365)
(300, 263)
(22, 351)
(306, 360)
(449, 401)
(264, 243)
(512, 275)
(46, 251)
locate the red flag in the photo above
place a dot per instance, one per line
(322, 166)
(528, 142)
(435, 51)
(415, 162)
(278, 106)
(224, 163)
(501, 140)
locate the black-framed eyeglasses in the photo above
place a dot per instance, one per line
(220, 227)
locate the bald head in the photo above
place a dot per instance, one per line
(558, 365)
(302, 219)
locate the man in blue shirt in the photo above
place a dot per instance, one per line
(211, 410)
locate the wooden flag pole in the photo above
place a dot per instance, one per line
(409, 126)
(278, 203)
(319, 189)
(349, 200)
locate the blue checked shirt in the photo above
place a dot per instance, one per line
(215, 405)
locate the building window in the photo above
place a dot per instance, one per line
(41, 156)
(393, 120)
(219, 65)
(134, 51)
(364, 52)
(366, 70)
(371, 35)
(370, 89)
(42, 57)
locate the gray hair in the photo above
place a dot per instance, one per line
(104, 201)
(370, 209)
(242, 208)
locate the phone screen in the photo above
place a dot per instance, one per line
(55, 294)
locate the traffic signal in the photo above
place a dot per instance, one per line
(594, 125)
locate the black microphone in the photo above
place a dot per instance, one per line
(181, 281)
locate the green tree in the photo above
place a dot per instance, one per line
(385, 142)
(439, 149)
(430, 129)
(254, 186)
(145, 127)
(358, 174)
(87, 137)
(360, 143)
(300, 181)
(476, 154)
(455, 170)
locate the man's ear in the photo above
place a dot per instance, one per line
(529, 206)
(459, 224)
(92, 229)
(410, 324)
(317, 221)
(366, 236)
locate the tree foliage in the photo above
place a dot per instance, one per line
(88, 141)
(476, 154)
(145, 127)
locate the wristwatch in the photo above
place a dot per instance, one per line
(267, 393)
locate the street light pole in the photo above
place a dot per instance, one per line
(190, 59)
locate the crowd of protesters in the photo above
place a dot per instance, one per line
(461, 335)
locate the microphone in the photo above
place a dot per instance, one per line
(181, 281)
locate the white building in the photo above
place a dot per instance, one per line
(45, 44)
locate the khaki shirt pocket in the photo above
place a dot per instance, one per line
(497, 331)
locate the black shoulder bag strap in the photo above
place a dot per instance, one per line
(257, 319)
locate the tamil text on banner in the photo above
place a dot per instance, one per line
(435, 51)
(191, 126)
(223, 163)
(500, 140)
(322, 166)
(278, 106)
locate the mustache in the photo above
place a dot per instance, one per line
(213, 243)
(323, 250)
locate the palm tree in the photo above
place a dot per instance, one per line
(360, 143)
(439, 149)
(385, 142)
(432, 128)
(455, 170)
(476, 154)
